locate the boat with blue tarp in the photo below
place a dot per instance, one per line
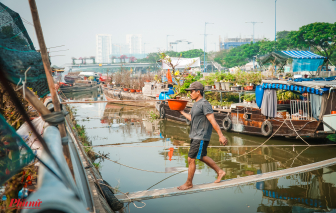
(310, 116)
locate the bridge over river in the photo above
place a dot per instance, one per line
(166, 192)
(117, 65)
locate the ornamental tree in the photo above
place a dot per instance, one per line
(320, 35)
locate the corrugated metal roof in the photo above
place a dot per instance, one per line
(303, 55)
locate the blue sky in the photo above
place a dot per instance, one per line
(75, 23)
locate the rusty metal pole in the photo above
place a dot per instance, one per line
(47, 69)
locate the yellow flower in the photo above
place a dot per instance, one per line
(177, 72)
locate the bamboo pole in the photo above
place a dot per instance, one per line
(36, 103)
(47, 69)
(116, 101)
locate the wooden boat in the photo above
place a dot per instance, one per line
(79, 86)
(242, 118)
(112, 94)
(71, 77)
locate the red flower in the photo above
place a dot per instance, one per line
(7, 171)
(6, 143)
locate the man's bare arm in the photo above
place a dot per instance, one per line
(186, 115)
(222, 138)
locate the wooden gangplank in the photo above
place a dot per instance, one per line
(167, 192)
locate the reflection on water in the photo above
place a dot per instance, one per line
(148, 145)
(92, 95)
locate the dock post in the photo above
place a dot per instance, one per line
(47, 69)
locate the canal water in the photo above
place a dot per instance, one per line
(130, 137)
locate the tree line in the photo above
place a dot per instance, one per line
(320, 38)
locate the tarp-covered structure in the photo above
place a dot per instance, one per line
(302, 60)
(17, 53)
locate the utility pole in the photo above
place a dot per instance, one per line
(167, 41)
(205, 63)
(275, 34)
(253, 22)
(47, 69)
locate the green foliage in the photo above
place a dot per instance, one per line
(153, 116)
(151, 58)
(189, 79)
(283, 95)
(97, 165)
(154, 57)
(249, 97)
(320, 35)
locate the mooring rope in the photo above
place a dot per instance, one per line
(186, 169)
(129, 166)
(298, 145)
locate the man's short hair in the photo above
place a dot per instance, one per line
(201, 92)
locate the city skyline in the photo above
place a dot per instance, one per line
(77, 32)
(103, 48)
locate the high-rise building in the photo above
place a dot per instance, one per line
(120, 49)
(135, 43)
(103, 48)
(235, 42)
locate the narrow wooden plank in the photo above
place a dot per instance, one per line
(166, 192)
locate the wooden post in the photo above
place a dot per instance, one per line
(47, 69)
(36, 103)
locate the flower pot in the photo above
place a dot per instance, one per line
(132, 90)
(223, 86)
(217, 85)
(125, 89)
(248, 88)
(333, 112)
(207, 87)
(213, 87)
(281, 114)
(147, 80)
(251, 84)
(280, 102)
(228, 85)
(178, 105)
(235, 88)
(138, 90)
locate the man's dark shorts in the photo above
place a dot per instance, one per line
(198, 148)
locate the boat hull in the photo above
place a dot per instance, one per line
(78, 88)
(252, 124)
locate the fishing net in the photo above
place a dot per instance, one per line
(14, 152)
(17, 53)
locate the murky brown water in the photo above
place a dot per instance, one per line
(145, 144)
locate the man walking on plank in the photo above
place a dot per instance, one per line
(202, 120)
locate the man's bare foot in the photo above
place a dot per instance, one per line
(221, 174)
(185, 186)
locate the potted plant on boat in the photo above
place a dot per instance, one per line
(229, 79)
(217, 81)
(249, 81)
(175, 103)
(209, 82)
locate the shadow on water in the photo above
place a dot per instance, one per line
(148, 145)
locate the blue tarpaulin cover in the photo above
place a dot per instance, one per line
(305, 60)
(302, 60)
